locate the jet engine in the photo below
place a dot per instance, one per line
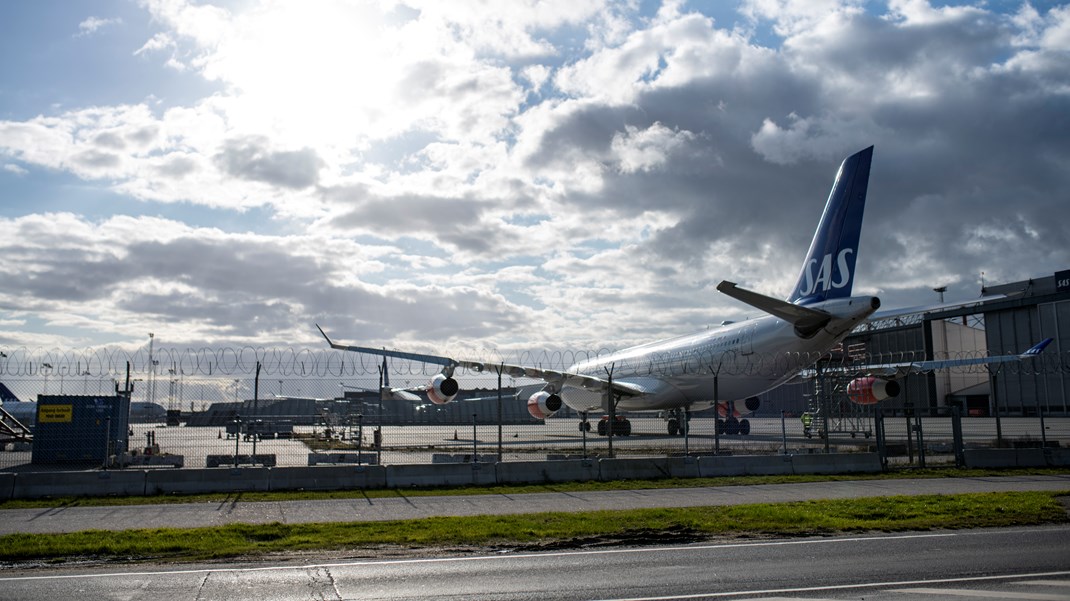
(870, 390)
(739, 408)
(543, 404)
(442, 389)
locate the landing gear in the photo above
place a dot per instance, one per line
(677, 422)
(622, 427)
(585, 426)
(733, 426)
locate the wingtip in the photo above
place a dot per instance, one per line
(1038, 348)
(322, 333)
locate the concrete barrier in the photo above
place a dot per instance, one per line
(7, 485)
(634, 469)
(1030, 458)
(463, 458)
(745, 465)
(990, 458)
(194, 481)
(365, 458)
(443, 474)
(1058, 457)
(527, 472)
(327, 477)
(720, 465)
(266, 460)
(836, 463)
(30, 485)
(683, 467)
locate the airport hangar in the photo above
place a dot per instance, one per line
(1007, 319)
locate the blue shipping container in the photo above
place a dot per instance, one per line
(80, 429)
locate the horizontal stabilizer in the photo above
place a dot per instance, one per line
(805, 320)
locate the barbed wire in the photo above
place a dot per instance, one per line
(302, 363)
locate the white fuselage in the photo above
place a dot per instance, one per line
(729, 363)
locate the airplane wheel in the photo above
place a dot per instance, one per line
(585, 426)
(625, 428)
(732, 426)
(720, 426)
(601, 428)
(744, 427)
(674, 427)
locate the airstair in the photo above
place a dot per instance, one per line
(831, 410)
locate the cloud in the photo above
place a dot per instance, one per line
(251, 159)
(92, 25)
(566, 173)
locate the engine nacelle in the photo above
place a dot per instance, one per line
(442, 389)
(543, 404)
(738, 408)
(870, 390)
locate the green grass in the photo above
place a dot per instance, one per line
(549, 530)
(252, 497)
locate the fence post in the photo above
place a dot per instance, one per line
(956, 430)
(878, 427)
(921, 438)
(783, 431)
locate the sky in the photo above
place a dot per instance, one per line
(473, 177)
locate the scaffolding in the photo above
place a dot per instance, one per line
(831, 409)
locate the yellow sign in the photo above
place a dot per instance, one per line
(55, 414)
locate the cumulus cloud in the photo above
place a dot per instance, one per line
(565, 172)
(252, 159)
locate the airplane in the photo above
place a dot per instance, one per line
(26, 411)
(720, 366)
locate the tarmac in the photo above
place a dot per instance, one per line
(400, 506)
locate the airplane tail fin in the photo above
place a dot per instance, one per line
(829, 268)
(6, 396)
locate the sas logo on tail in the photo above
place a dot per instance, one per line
(823, 280)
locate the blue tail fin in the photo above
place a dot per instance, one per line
(829, 269)
(6, 395)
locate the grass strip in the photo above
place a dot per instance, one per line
(884, 514)
(253, 497)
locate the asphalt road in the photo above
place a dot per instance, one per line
(1028, 563)
(72, 519)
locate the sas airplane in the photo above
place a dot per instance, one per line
(727, 366)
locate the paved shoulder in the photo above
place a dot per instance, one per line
(401, 507)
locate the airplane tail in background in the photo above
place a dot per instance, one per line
(6, 396)
(829, 268)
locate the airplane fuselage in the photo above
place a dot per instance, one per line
(732, 362)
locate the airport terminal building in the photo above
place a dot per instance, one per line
(1007, 319)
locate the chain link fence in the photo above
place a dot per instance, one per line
(308, 407)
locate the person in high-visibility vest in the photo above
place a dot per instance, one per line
(807, 419)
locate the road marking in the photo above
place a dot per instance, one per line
(842, 587)
(974, 593)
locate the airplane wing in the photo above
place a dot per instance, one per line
(899, 370)
(555, 377)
